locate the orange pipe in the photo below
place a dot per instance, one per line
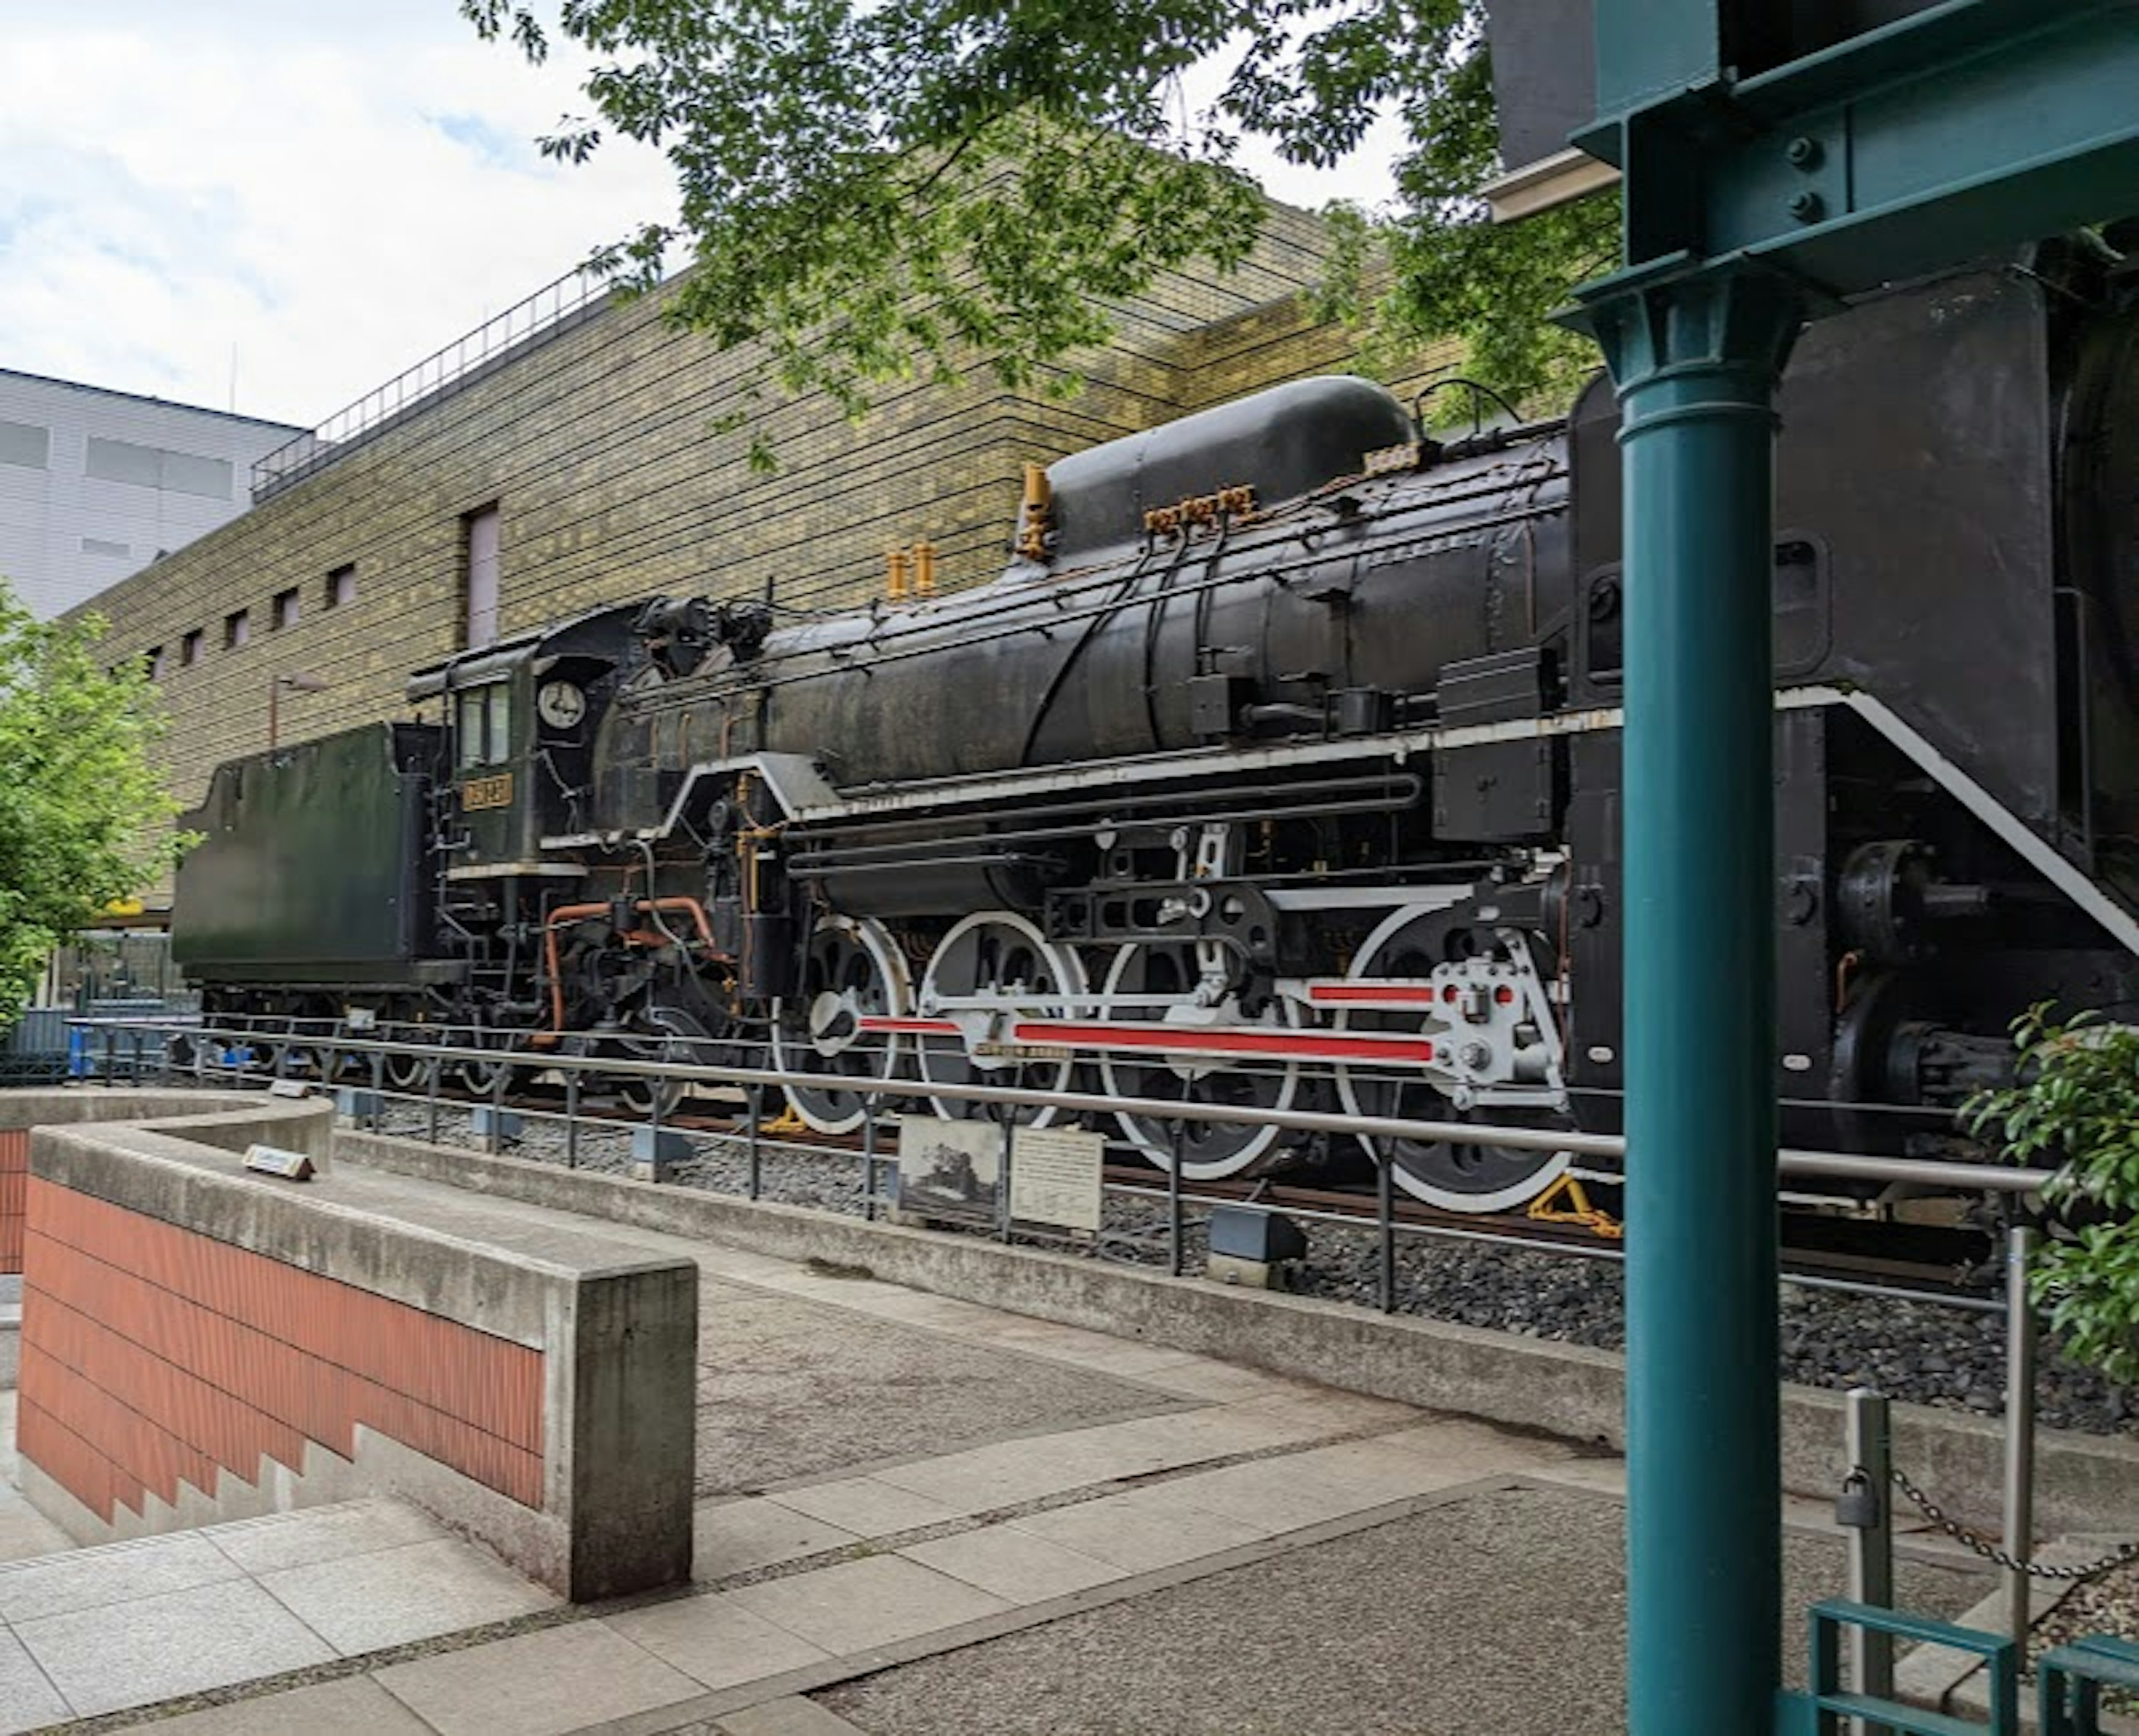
(580, 912)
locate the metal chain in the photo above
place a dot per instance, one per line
(2123, 1554)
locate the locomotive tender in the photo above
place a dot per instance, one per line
(1282, 768)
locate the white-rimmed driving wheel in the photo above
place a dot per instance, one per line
(853, 970)
(1156, 985)
(1464, 1176)
(992, 970)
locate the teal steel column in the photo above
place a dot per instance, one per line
(1696, 355)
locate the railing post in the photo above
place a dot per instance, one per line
(494, 1140)
(1385, 1208)
(437, 1066)
(869, 1148)
(1173, 1203)
(1868, 1446)
(1002, 1178)
(2019, 1426)
(571, 1117)
(753, 1153)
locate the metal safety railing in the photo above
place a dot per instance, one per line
(134, 1048)
(541, 315)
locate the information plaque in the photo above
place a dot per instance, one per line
(1054, 1178)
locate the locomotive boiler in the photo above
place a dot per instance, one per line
(1280, 768)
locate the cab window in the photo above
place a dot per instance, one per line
(483, 720)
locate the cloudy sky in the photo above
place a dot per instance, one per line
(300, 197)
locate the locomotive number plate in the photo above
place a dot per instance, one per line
(492, 792)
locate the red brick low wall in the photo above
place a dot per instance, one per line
(152, 1354)
(200, 1342)
(14, 1171)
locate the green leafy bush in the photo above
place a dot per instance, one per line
(2075, 1105)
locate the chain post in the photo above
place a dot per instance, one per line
(2020, 1525)
(437, 1067)
(1173, 1201)
(571, 1117)
(1868, 1448)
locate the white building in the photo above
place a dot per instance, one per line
(95, 485)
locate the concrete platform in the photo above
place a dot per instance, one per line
(922, 1514)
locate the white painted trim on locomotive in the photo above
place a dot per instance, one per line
(2009, 827)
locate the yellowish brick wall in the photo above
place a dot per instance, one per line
(597, 446)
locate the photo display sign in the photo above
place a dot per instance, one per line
(950, 1169)
(1054, 1178)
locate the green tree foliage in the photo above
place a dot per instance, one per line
(85, 819)
(2077, 1107)
(876, 189)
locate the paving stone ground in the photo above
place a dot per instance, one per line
(1503, 1612)
(919, 1515)
(790, 1388)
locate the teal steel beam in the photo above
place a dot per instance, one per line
(1696, 353)
(1980, 124)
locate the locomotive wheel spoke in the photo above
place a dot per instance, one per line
(853, 970)
(998, 955)
(1209, 1150)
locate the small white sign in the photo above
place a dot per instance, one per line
(268, 1160)
(1054, 1176)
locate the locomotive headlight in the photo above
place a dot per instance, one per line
(560, 704)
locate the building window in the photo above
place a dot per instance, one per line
(285, 608)
(236, 629)
(153, 658)
(189, 649)
(151, 467)
(341, 586)
(479, 534)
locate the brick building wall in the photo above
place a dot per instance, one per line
(596, 446)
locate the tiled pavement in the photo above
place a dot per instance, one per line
(809, 1582)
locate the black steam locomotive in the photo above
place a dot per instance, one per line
(1281, 767)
